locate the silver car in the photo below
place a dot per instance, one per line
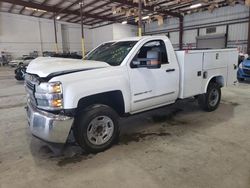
(21, 61)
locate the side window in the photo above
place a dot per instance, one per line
(153, 47)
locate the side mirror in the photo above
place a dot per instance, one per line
(146, 63)
(153, 64)
(149, 62)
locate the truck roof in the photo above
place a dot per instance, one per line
(138, 38)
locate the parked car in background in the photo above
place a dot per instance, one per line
(20, 72)
(72, 55)
(244, 70)
(242, 57)
(21, 61)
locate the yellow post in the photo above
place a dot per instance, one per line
(139, 18)
(81, 13)
(139, 32)
(83, 48)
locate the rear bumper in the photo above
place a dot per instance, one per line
(47, 126)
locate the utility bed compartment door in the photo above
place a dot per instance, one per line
(232, 60)
(191, 73)
(215, 60)
(222, 63)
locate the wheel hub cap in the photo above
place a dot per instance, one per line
(100, 130)
(214, 97)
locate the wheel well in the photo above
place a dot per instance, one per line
(114, 99)
(219, 80)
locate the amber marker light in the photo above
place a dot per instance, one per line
(56, 103)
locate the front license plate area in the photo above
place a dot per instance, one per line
(39, 122)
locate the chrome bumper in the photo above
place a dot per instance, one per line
(48, 127)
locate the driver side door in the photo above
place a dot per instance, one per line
(152, 87)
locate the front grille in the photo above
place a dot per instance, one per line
(246, 71)
(30, 84)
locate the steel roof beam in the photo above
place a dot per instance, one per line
(55, 9)
(11, 8)
(98, 7)
(149, 8)
(75, 3)
(43, 3)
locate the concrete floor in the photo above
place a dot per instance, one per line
(177, 146)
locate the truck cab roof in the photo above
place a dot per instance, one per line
(139, 38)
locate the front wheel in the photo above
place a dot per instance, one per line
(96, 128)
(210, 100)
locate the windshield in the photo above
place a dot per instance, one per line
(112, 53)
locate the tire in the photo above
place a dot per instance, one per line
(210, 100)
(241, 79)
(18, 74)
(19, 78)
(97, 121)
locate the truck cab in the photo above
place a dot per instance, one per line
(121, 77)
(153, 74)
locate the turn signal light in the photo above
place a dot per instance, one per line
(56, 103)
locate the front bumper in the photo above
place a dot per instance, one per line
(47, 126)
(242, 74)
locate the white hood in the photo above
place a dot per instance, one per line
(44, 66)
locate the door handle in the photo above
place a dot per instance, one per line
(235, 67)
(199, 73)
(205, 75)
(170, 70)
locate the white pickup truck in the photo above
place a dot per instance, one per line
(120, 77)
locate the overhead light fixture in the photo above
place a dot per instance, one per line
(124, 22)
(196, 5)
(58, 17)
(34, 9)
(145, 17)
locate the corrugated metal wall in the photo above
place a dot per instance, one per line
(235, 17)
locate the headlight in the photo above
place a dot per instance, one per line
(240, 65)
(53, 87)
(49, 96)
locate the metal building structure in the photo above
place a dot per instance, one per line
(95, 14)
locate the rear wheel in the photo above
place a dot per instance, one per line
(96, 128)
(210, 100)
